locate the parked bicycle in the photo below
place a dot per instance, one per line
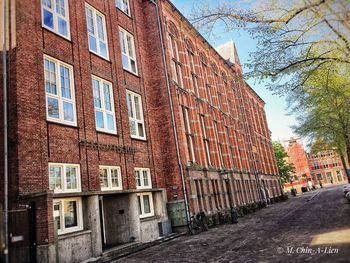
(198, 223)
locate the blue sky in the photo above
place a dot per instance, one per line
(278, 120)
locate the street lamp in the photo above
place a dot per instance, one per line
(293, 191)
(225, 175)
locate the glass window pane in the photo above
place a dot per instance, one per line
(110, 122)
(48, 18)
(125, 60)
(138, 179)
(140, 129)
(65, 83)
(92, 43)
(107, 97)
(71, 178)
(90, 20)
(52, 108)
(103, 49)
(114, 177)
(103, 178)
(125, 6)
(133, 65)
(96, 92)
(68, 111)
(55, 181)
(129, 41)
(47, 3)
(100, 30)
(57, 214)
(139, 201)
(70, 214)
(129, 102)
(132, 127)
(122, 41)
(145, 178)
(60, 7)
(62, 27)
(99, 119)
(146, 204)
(137, 107)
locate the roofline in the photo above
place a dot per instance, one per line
(255, 93)
(199, 34)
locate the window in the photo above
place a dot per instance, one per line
(104, 105)
(316, 165)
(127, 47)
(325, 164)
(189, 134)
(143, 178)
(96, 27)
(68, 214)
(218, 143)
(64, 177)
(136, 121)
(175, 62)
(205, 139)
(335, 163)
(145, 204)
(55, 16)
(123, 5)
(110, 178)
(59, 89)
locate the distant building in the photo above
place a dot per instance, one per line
(326, 166)
(298, 157)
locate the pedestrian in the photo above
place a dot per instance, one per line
(320, 183)
(310, 184)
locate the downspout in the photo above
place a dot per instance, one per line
(172, 112)
(4, 75)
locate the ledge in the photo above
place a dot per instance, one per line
(74, 234)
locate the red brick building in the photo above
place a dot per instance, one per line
(123, 118)
(298, 157)
(326, 167)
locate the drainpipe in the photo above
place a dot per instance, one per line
(172, 111)
(4, 75)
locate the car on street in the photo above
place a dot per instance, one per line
(348, 196)
(346, 189)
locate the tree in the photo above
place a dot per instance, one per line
(295, 38)
(323, 112)
(285, 169)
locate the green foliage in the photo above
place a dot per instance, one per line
(285, 169)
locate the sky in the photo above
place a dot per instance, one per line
(278, 119)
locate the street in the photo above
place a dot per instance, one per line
(313, 227)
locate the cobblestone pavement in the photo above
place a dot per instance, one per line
(285, 232)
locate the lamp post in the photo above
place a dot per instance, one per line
(225, 176)
(292, 190)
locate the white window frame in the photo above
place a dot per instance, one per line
(188, 133)
(104, 111)
(150, 198)
(61, 201)
(120, 4)
(124, 42)
(109, 178)
(58, 96)
(55, 18)
(63, 167)
(148, 172)
(95, 12)
(176, 67)
(134, 118)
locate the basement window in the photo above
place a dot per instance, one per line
(68, 215)
(145, 203)
(55, 16)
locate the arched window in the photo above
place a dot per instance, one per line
(173, 37)
(204, 71)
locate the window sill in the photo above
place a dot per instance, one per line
(138, 138)
(107, 132)
(56, 33)
(126, 14)
(51, 121)
(132, 73)
(149, 218)
(73, 234)
(98, 55)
